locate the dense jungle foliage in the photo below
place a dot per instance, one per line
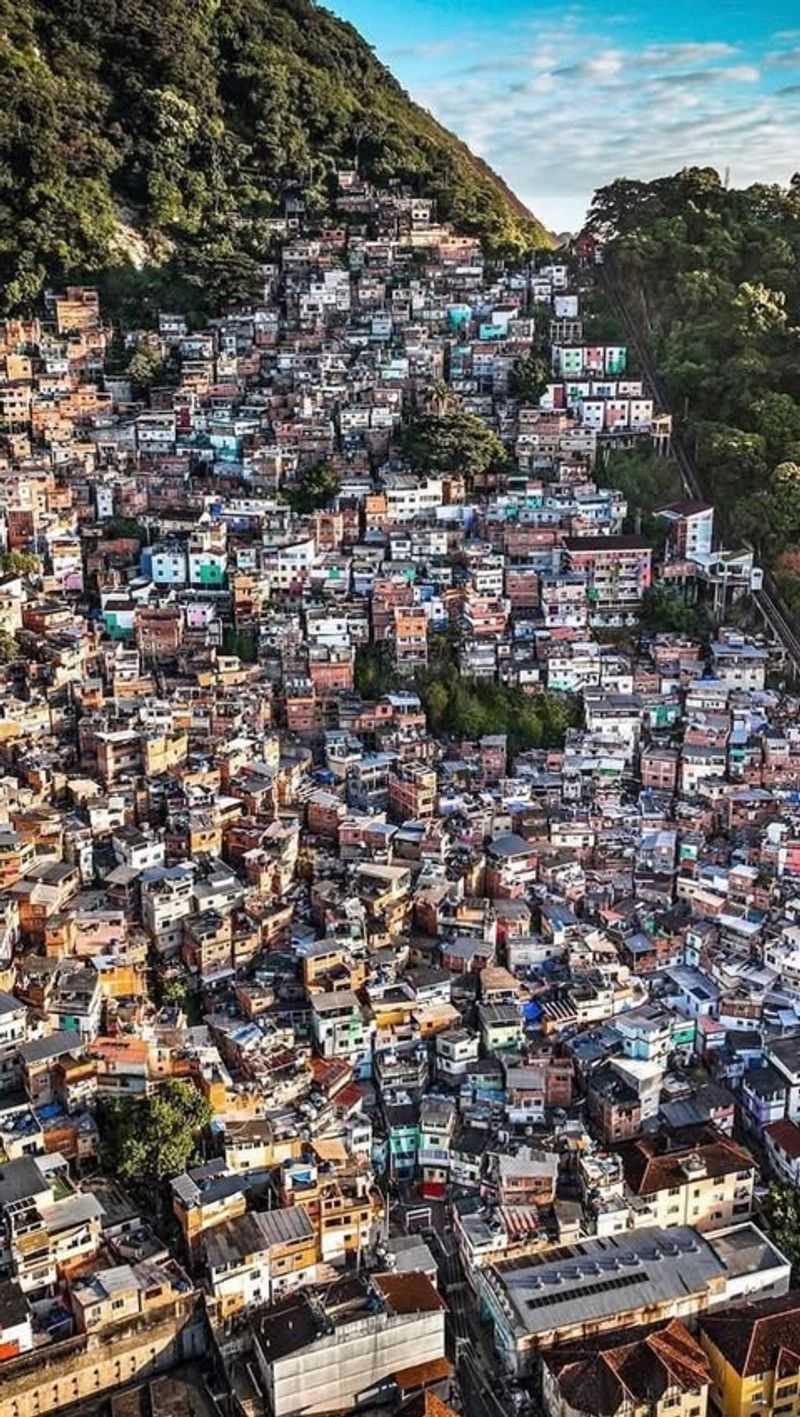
(714, 276)
(188, 120)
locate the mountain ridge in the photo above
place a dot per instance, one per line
(199, 116)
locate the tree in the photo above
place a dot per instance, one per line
(529, 378)
(145, 366)
(777, 419)
(470, 708)
(9, 649)
(20, 563)
(124, 528)
(199, 117)
(647, 482)
(146, 1142)
(714, 274)
(436, 702)
(782, 1211)
(316, 488)
(241, 643)
(457, 443)
(758, 310)
(731, 457)
(374, 673)
(667, 612)
(771, 517)
(175, 991)
(438, 398)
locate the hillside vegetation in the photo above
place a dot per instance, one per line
(714, 276)
(186, 120)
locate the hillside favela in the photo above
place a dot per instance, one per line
(399, 717)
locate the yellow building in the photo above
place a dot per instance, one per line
(754, 1355)
(254, 1145)
(706, 1185)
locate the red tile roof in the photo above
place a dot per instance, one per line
(758, 1338)
(786, 1135)
(603, 1375)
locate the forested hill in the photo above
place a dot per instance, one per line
(714, 276)
(189, 119)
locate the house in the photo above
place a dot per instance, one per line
(690, 529)
(705, 1183)
(337, 1024)
(617, 571)
(500, 1026)
(783, 1055)
(660, 1370)
(763, 1098)
(754, 1356)
(256, 1258)
(316, 1358)
(206, 1196)
(782, 1144)
(16, 1333)
(614, 1104)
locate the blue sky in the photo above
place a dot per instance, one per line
(561, 99)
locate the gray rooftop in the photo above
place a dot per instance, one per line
(601, 1278)
(256, 1232)
(64, 1041)
(19, 1180)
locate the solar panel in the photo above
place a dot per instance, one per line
(604, 1286)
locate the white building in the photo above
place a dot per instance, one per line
(325, 1356)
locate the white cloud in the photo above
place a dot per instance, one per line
(667, 54)
(435, 49)
(557, 115)
(784, 58)
(605, 65)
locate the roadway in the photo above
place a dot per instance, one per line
(482, 1388)
(768, 598)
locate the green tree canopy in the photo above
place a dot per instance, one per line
(713, 275)
(647, 483)
(529, 377)
(782, 1212)
(145, 367)
(148, 1141)
(20, 563)
(193, 119)
(457, 443)
(9, 649)
(666, 611)
(316, 488)
(126, 528)
(175, 991)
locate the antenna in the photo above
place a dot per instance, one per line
(727, 181)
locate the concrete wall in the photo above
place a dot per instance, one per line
(329, 1374)
(80, 1369)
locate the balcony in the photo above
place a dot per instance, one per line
(433, 1156)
